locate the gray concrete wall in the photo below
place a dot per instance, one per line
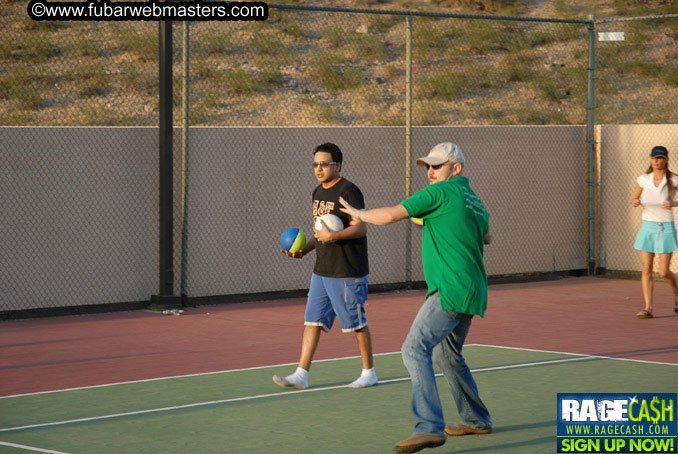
(80, 206)
(532, 181)
(78, 216)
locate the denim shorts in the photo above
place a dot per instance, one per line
(332, 297)
(657, 237)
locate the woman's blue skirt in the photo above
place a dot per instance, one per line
(657, 237)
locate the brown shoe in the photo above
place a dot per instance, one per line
(460, 429)
(417, 442)
(644, 314)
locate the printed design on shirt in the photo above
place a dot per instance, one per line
(321, 208)
(474, 204)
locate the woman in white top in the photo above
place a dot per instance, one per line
(655, 193)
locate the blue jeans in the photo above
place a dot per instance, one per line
(439, 335)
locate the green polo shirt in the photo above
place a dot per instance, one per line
(455, 225)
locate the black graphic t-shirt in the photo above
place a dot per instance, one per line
(344, 258)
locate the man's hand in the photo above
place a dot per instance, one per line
(295, 255)
(353, 212)
(323, 235)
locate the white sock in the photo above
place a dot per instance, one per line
(367, 372)
(301, 373)
(299, 379)
(367, 378)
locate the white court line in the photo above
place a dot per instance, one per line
(315, 361)
(262, 396)
(131, 382)
(577, 354)
(30, 448)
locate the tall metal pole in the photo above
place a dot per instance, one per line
(165, 297)
(591, 147)
(408, 145)
(184, 162)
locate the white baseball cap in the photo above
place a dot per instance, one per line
(442, 153)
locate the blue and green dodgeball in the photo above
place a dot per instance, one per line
(293, 240)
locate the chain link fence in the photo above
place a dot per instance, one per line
(82, 213)
(77, 73)
(488, 76)
(292, 80)
(299, 68)
(78, 153)
(637, 85)
(273, 92)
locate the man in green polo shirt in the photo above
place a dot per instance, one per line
(455, 230)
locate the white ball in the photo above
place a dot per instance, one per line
(333, 223)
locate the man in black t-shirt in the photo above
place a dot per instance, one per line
(339, 281)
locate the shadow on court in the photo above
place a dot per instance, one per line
(532, 425)
(642, 352)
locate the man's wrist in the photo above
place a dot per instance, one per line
(360, 215)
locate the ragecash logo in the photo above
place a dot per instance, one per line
(614, 422)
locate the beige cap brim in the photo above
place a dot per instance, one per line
(430, 161)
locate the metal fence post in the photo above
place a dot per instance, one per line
(165, 298)
(408, 145)
(184, 159)
(591, 147)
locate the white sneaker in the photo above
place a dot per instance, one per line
(291, 381)
(364, 381)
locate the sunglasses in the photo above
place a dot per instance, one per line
(323, 164)
(435, 167)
